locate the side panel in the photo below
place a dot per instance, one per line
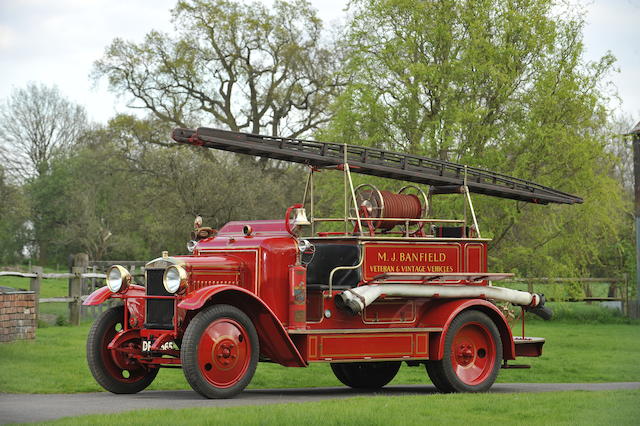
(380, 258)
(354, 346)
(475, 259)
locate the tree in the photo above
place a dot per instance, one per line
(238, 65)
(498, 84)
(14, 233)
(126, 193)
(36, 124)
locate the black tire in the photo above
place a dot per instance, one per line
(115, 371)
(472, 340)
(219, 367)
(366, 375)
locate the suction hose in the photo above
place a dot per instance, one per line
(356, 299)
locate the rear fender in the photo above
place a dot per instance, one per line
(275, 342)
(132, 298)
(440, 314)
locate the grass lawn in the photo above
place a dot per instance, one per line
(613, 407)
(51, 287)
(55, 361)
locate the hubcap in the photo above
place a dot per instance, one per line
(473, 355)
(118, 361)
(224, 353)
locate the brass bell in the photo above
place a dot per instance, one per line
(300, 217)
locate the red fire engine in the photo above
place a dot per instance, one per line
(382, 285)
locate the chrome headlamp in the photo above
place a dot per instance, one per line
(118, 278)
(175, 279)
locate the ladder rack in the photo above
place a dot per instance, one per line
(377, 162)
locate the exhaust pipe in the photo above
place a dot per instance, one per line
(356, 299)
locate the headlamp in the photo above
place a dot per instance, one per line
(118, 279)
(175, 279)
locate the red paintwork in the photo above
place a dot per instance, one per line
(470, 340)
(103, 293)
(261, 275)
(116, 348)
(441, 313)
(274, 339)
(424, 258)
(224, 354)
(297, 297)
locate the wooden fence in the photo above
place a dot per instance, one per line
(618, 288)
(86, 278)
(83, 280)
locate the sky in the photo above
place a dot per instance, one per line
(55, 42)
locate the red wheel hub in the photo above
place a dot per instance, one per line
(119, 361)
(224, 353)
(473, 353)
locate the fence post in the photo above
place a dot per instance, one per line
(625, 296)
(75, 291)
(530, 286)
(35, 286)
(80, 262)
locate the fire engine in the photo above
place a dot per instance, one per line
(383, 284)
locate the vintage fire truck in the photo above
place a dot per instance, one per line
(382, 285)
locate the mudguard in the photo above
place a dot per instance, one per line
(132, 298)
(440, 313)
(275, 342)
(103, 293)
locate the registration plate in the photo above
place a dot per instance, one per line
(147, 343)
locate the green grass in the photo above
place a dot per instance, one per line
(50, 287)
(578, 407)
(55, 361)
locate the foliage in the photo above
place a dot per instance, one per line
(500, 85)
(494, 83)
(133, 194)
(572, 354)
(243, 66)
(14, 233)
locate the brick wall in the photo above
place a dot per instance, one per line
(17, 316)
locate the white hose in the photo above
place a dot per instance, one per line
(356, 299)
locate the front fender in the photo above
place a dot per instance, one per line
(132, 298)
(103, 293)
(275, 342)
(440, 313)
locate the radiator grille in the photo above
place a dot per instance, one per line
(160, 312)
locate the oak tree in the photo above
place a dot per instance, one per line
(239, 65)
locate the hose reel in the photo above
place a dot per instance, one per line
(408, 203)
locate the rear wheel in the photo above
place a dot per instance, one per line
(219, 351)
(114, 369)
(472, 355)
(366, 375)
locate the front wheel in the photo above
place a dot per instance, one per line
(472, 355)
(366, 375)
(219, 351)
(114, 369)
